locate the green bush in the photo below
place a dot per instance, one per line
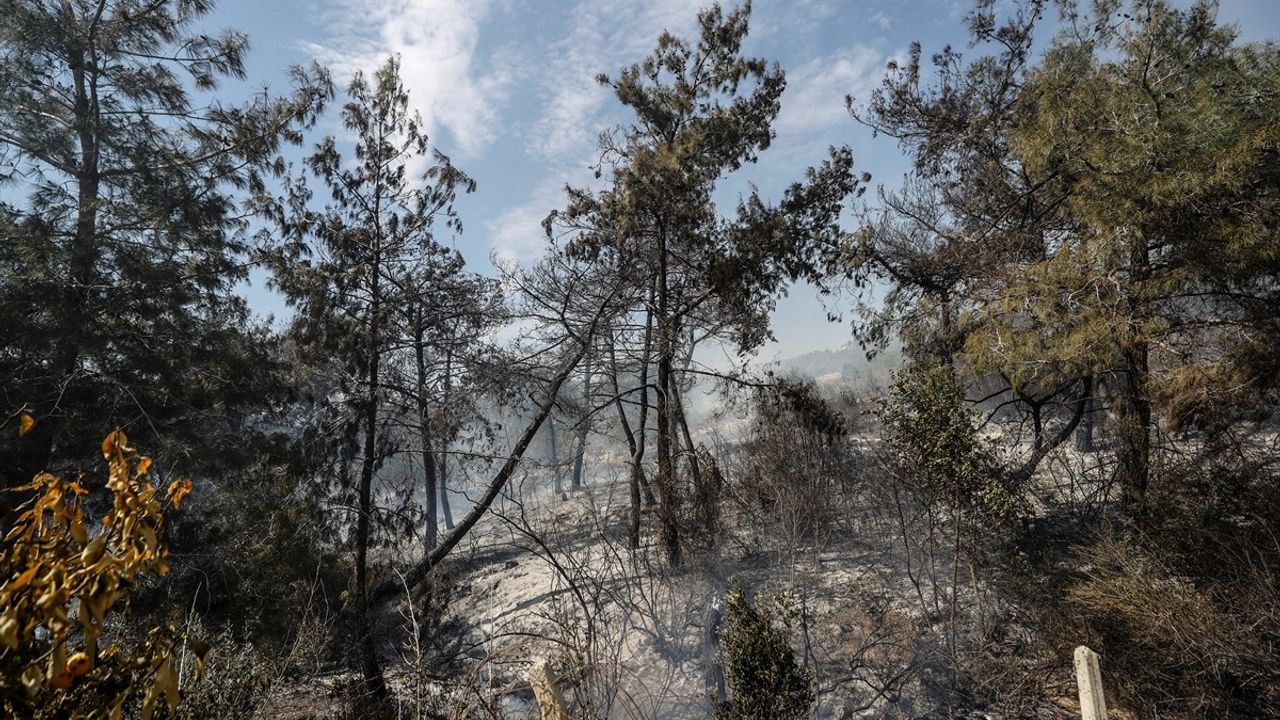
(935, 448)
(762, 677)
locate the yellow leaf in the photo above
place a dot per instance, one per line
(61, 681)
(115, 444)
(25, 423)
(179, 489)
(149, 702)
(166, 681)
(9, 628)
(32, 679)
(23, 580)
(79, 664)
(93, 551)
(109, 444)
(58, 664)
(78, 531)
(144, 464)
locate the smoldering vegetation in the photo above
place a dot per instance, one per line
(568, 487)
(899, 594)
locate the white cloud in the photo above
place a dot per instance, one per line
(571, 108)
(437, 42)
(785, 19)
(815, 95)
(516, 234)
(605, 36)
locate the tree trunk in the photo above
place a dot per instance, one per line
(668, 493)
(1135, 432)
(713, 684)
(708, 519)
(638, 481)
(432, 530)
(391, 588)
(642, 430)
(635, 440)
(38, 446)
(1037, 426)
(688, 448)
(1135, 416)
(1042, 448)
(444, 446)
(375, 688)
(1084, 431)
(580, 450)
(555, 457)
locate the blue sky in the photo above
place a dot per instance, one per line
(506, 89)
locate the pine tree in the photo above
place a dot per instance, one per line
(1162, 130)
(119, 258)
(702, 111)
(1098, 217)
(352, 266)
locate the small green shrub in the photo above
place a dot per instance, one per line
(935, 447)
(762, 677)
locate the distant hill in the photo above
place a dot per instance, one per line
(845, 366)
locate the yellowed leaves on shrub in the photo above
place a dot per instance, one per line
(59, 582)
(178, 490)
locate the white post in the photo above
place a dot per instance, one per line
(550, 703)
(1093, 704)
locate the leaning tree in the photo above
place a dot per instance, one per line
(702, 110)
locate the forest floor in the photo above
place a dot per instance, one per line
(550, 577)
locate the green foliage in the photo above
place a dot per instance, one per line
(1159, 132)
(121, 249)
(259, 557)
(762, 677)
(1105, 209)
(702, 110)
(934, 445)
(370, 282)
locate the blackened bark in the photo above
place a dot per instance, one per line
(444, 449)
(556, 472)
(708, 518)
(389, 589)
(635, 440)
(668, 492)
(1084, 431)
(375, 688)
(1135, 411)
(432, 530)
(580, 449)
(1135, 433)
(1043, 448)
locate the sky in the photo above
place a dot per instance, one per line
(506, 88)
